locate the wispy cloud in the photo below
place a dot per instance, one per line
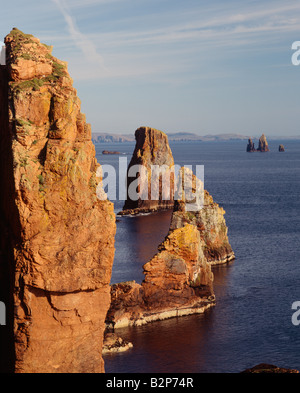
(82, 41)
(86, 3)
(168, 41)
(229, 24)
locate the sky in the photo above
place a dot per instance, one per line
(201, 66)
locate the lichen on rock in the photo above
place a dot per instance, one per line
(178, 280)
(209, 220)
(61, 235)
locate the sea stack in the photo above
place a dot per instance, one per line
(151, 151)
(250, 146)
(209, 220)
(263, 144)
(281, 148)
(57, 237)
(178, 280)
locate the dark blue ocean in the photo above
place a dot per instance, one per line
(251, 322)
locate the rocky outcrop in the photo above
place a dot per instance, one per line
(178, 281)
(57, 243)
(263, 144)
(264, 368)
(113, 344)
(281, 148)
(110, 152)
(147, 191)
(250, 146)
(209, 220)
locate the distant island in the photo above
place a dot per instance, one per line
(101, 137)
(173, 137)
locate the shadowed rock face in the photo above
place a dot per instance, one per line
(57, 246)
(151, 149)
(263, 144)
(250, 146)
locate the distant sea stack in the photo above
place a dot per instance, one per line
(151, 149)
(57, 237)
(263, 144)
(250, 146)
(281, 148)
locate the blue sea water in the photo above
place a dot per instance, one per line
(251, 322)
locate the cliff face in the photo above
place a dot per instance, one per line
(151, 149)
(179, 274)
(59, 238)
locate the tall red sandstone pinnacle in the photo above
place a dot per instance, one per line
(57, 237)
(152, 151)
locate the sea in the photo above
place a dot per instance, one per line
(252, 321)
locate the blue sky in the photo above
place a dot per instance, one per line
(203, 66)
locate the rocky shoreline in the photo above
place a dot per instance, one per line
(115, 344)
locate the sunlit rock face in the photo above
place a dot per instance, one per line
(57, 247)
(152, 153)
(263, 144)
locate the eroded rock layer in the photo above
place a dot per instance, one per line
(152, 151)
(58, 251)
(208, 218)
(178, 281)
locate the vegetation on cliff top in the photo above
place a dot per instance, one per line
(27, 47)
